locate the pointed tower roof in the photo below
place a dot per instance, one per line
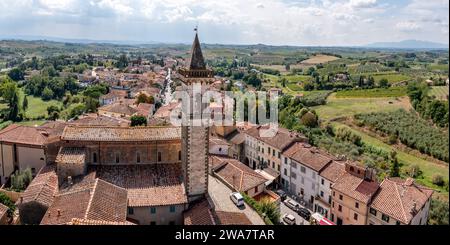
(197, 61)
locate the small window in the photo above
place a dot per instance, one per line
(340, 208)
(220, 149)
(385, 217)
(268, 150)
(321, 193)
(279, 155)
(94, 157)
(356, 205)
(341, 197)
(352, 169)
(293, 175)
(159, 156)
(355, 216)
(138, 157)
(398, 222)
(285, 172)
(278, 168)
(179, 155)
(323, 182)
(285, 160)
(256, 189)
(172, 209)
(130, 211)
(373, 211)
(117, 157)
(153, 210)
(273, 165)
(303, 169)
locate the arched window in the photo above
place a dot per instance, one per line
(117, 157)
(159, 156)
(352, 169)
(94, 157)
(138, 157)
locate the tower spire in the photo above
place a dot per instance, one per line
(197, 61)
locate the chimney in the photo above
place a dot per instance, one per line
(414, 208)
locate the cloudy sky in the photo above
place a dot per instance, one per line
(278, 22)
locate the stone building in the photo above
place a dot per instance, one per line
(195, 135)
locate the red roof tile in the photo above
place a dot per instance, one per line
(401, 199)
(308, 156)
(43, 188)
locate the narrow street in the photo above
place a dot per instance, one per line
(286, 210)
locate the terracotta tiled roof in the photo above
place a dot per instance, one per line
(23, 135)
(43, 187)
(308, 156)
(235, 173)
(401, 199)
(100, 120)
(236, 138)
(75, 155)
(99, 200)
(232, 218)
(280, 141)
(120, 108)
(77, 221)
(144, 109)
(199, 214)
(124, 134)
(164, 111)
(3, 210)
(333, 171)
(217, 141)
(356, 188)
(147, 185)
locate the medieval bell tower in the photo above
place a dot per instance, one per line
(195, 135)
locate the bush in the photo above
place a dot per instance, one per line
(346, 134)
(21, 179)
(438, 213)
(309, 120)
(414, 171)
(138, 120)
(5, 200)
(269, 209)
(438, 180)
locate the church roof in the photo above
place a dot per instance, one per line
(197, 61)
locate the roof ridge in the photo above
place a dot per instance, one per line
(94, 189)
(401, 202)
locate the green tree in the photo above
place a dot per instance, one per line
(122, 62)
(395, 166)
(138, 120)
(309, 119)
(16, 74)
(47, 94)
(143, 98)
(438, 213)
(25, 103)
(383, 83)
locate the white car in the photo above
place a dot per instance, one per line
(237, 199)
(289, 219)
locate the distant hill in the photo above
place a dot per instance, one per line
(77, 41)
(409, 44)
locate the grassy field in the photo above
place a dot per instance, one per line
(36, 106)
(392, 78)
(319, 59)
(440, 92)
(345, 107)
(437, 67)
(373, 93)
(428, 168)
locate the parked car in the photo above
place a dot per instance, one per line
(237, 199)
(292, 204)
(289, 219)
(282, 194)
(304, 213)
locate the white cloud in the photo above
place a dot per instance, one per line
(308, 22)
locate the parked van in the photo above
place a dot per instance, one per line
(237, 199)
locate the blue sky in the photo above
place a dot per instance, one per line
(278, 22)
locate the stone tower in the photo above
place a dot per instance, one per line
(195, 137)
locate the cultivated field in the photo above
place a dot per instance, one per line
(372, 93)
(319, 59)
(347, 107)
(440, 92)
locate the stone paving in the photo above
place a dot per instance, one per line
(220, 194)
